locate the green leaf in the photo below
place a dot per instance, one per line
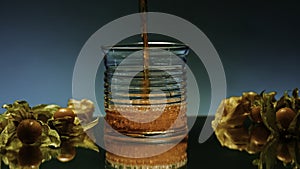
(9, 156)
(51, 108)
(65, 128)
(49, 153)
(22, 104)
(295, 93)
(18, 110)
(14, 143)
(50, 137)
(268, 155)
(87, 143)
(45, 112)
(7, 136)
(4, 136)
(284, 101)
(268, 113)
(3, 122)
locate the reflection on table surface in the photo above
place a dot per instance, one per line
(209, 154)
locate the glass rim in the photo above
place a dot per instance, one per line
(152, 45)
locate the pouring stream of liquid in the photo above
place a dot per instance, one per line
(146, 83)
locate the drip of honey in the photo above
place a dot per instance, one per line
(146, 83)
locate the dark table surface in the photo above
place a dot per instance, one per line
(209, 154)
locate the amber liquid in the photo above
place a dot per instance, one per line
(138, 121)
(146, 83)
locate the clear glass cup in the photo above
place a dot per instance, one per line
(146, 99)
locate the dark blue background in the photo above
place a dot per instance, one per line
(258, 42)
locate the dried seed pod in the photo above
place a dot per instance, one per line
(284, 116)
(65, 113)
(29, 131)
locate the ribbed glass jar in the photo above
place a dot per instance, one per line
(146, 98)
